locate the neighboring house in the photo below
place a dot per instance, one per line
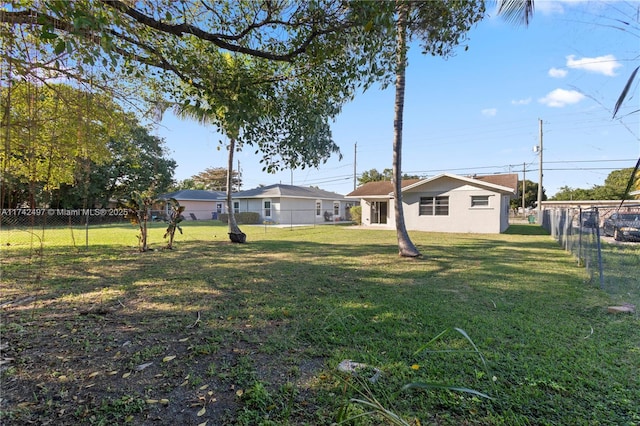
(292, 205)
(199, 203)
(444, 203)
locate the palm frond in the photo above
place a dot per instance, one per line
(632, 179)
(517, 11)
(429, 386)
(625, 91)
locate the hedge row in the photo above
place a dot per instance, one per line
(241, 218)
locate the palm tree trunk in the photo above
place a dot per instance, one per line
(405, 245)
(235, 234)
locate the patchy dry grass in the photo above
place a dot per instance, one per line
(252, 334)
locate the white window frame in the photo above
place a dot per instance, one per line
(433, 205)
(318, 208)
(236, 207)
(479, 201)
(336, 208)
(267, 210)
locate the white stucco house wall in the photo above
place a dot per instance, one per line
(443, 203)
(292, 205)
(200, 203)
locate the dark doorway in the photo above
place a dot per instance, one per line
(379, 212)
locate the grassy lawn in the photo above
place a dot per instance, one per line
(226, 334)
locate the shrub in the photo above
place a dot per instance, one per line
(244, 217)
(356, 214)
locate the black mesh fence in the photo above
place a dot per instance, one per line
(29, 227)
(42, 228)
(606, 241)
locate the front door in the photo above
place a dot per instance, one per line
(379, 212)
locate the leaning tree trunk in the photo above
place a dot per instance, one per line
(235, 234)
(405, 245)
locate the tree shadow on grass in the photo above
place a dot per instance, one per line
(217, 317)
(522, 229)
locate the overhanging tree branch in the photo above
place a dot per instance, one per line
(221, 41)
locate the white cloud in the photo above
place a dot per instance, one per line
(549, 8)
(521, 101)
(606, 64)
(489, 112)
(557, 73)
(557, 7)
(560, 98)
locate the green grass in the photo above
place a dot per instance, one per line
(262, 326)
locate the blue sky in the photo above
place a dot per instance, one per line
(479, 111)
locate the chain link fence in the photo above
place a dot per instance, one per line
(28, 227)
(39, 228)
(596, 237)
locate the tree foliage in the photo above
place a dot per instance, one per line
(50, 133)
(213, 179)
(66, 147)
(137, 160)
(373, 175)
(296, 59)
(530, 195)
(613, 188)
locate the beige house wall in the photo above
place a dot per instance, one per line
(288, 210)
(462, 217)
(201, 209)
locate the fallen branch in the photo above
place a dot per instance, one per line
(195, 324)
(18, 301)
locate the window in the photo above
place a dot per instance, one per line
(434, 206)
(479, 201)
(236, 207)
(219, 207)
(336, 209)
(318, 208)
(267, 208)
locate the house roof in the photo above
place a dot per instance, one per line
(507, 180)
(385, 188)
(195, 195)
(379, 188)
(471, 181)
(289, 191)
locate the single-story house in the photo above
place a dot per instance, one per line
(199, 203)
(443, 203)
(292, 205)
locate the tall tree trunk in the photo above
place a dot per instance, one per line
(405, 245)
(235, 234)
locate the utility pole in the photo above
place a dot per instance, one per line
(524, 179)
(355, 156)
(540, 177)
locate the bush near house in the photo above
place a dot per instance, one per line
(356, 215)
(241, 218)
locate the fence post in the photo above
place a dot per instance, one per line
(580, 234)
(600, 267)
(86, 232)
